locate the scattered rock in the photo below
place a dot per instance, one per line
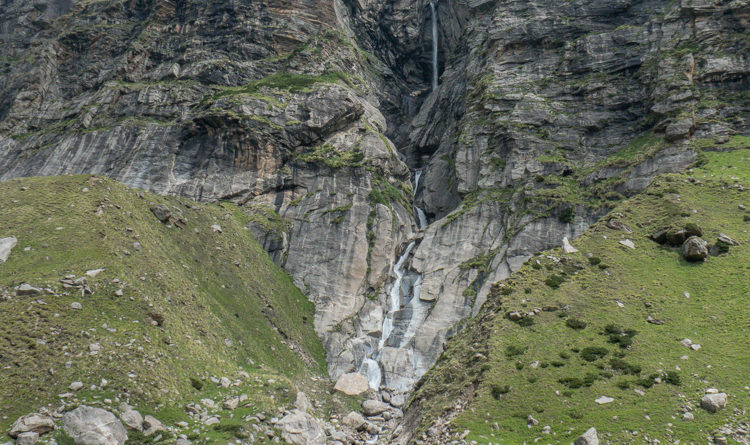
(94, 272)
(627, 243)
(6, 245)
(516, 315)
(531, 421)
(604, 399)
(27, 290)
(29, 438)
(714, 402)
(161, 212)
(216, 228)
(231, 404)
(225, 382)
(655, 321)
(688, 416)
(398, 400)
(302, 403)
(374, 407)
(725, 239)
(302, 429)
(75, 305)
(94, 426)
(352, 384)
(151, 425)
(567, 247)
(75, 386)
(354, 420)
(132, 419)
(616, 224)
(37, 423)
(588, 438)
(695, 249)
(213, 420)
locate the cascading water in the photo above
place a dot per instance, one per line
(434, 46)
(421, 217)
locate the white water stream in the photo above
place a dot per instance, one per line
(434, 46)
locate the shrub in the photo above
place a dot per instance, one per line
(575, 323)
(577, 415)
(532, 379)
(564, 355)
(571, 382)
(526, 321)
(646, 383)
(621, 365)
(195, 383)
(543, 365)
(593, 353)
(567, 215)
(557, 363)
(746, 218)
(554, 281)
(498, 391)
(623, 384)
(515, 350)
(519, 366)
(673, 378)
(595, 261)
(603, 266)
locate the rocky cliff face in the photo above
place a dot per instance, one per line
(319, 113)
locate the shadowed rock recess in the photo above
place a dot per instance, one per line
(320, 115)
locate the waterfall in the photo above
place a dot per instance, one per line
(434, 46)
(421, 217)
(395, 296)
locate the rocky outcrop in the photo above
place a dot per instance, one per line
(314, 115)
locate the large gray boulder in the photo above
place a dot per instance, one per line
(695, 249)
(300, 428)
(94, 426)
(29, 438)
(352, 384)
(37, 423)
(374, 407)
(588, 438)
(6, 245)
(714, 402)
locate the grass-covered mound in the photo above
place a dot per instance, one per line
(610, 322)
(172, 308)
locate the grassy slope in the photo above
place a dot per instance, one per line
(220, 318)
(715, 315)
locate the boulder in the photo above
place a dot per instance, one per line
(725, 239)
(374, 407)
(695, 249)
(354, 420)
(567, 247)
(6, 245)
(231, 404)
(352, 384)
(604, 399)
(27, 290)
(29, 438)
(302, 403)
(588, 438)
(36, 423)
(300, 428)
(714, 402)
(94, 426)
(616, 224)
(132, 419)
(161, 212)
(627, 243)
(151, 425)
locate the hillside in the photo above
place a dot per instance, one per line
(172, 309)
(598, 330)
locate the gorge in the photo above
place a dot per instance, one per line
(401, 160)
